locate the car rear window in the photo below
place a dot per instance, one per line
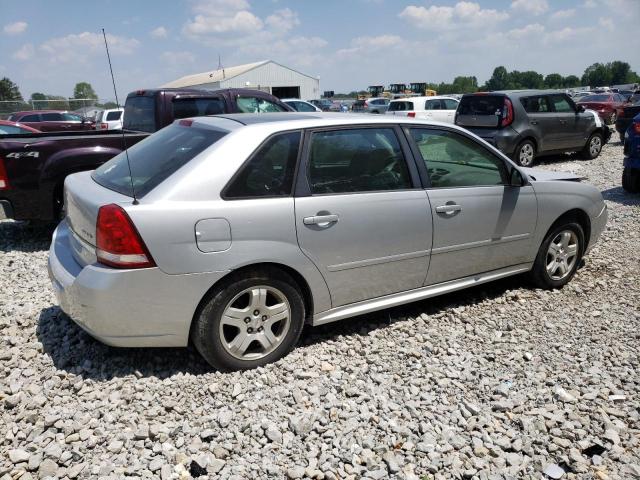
(400, 106)
(139, 114)
(113, 116)
(195, 107)
(155, 158)
(480, 111)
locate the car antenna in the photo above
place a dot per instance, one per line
(124, 143)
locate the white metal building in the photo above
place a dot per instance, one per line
(268, 76)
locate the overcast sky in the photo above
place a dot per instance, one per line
(49, 46)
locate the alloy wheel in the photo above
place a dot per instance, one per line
(255, 322)
(595, 145)
(526, 155)
(562, 255)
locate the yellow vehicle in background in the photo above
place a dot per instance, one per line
(420, 88)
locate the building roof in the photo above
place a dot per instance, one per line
(220, 75)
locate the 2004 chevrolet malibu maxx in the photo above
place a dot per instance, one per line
(235, 230)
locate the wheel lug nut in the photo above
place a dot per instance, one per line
(247, 320)
(249, 330)
(264, 317)
(260, 329)
(256, 312)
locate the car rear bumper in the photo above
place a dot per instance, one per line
(125, 308)
(505, 139)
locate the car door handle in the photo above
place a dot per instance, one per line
(449, 208)
(563, 122)
(533, 122)
(320, 219)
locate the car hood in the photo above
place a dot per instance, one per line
(545, 175)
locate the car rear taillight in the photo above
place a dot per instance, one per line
(411, 114)
(118, 243)
(507, 113)
(4, 179)
(104, 126)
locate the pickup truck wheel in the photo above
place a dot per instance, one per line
(525, 154)
(593, 147)
(559, 256)
(631, 180)
(249, 321)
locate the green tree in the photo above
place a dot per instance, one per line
(571, 81)
(38, 96)
(554, 80)
(597, 75)
(499, 80)
(621, 73)
(465, 85)
(9, 90)
(84, 90)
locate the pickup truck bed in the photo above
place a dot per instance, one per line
(35, 165)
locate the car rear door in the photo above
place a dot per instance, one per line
(450, 105)
(542, 121)
(480, 222)
(361, 214)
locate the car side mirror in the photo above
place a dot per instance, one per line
(579, 108)
(516, 179)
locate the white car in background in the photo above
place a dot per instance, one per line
(439, 109)
(300, 105)
(109, 119)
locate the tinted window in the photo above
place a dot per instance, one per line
(113, 116)
(30, 118)
(270, 170)
(481, 105)
(433, 105)
(139, 114)
(595, 98)
(358, 160)
(70, 117)
(450, 104)
(561, 104)
(51, 117)
(155, 158)
(453, 160)
(195, 107)
(537, 104)
(257, 105)
(6, 129)
(400, 106)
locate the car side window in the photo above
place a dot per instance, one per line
(537, 104)
(303, 107)
(51, 117)
(257, 105)
(70, 117)
(432, 105)
(450, 104)
(561, 104)
(270, 171)
(356, 160)
(30, 118)
(453, 160)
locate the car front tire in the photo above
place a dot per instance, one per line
(593, 147)
(631, 180)
(249, 320)
(525, 154)
(559, 256)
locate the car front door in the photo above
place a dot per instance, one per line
(450, 107)
(361, 215)
(480, 222)
(542, 121)
(572, 129)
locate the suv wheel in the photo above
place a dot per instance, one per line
(559, 256)
(525, 154)
(613, 118)
(593, 147)
(631, 180)
(249, 321)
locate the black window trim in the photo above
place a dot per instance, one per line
(422, 168)
(223, 192)
(302, 188)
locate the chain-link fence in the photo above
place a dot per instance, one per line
(80, 105)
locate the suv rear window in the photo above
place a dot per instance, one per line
(400, 106)
(155, 158)
(195, 107)
(139, 114)
(480, 110)
(113, 116)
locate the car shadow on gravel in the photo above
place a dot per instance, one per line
(24, 236)
(74, 351)
(619, 195)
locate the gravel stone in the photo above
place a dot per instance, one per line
(500, 381)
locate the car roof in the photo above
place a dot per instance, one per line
(516, 93)
(27, 112)
(424, 97)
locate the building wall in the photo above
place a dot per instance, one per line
(274, 75)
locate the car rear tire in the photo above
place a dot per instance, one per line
(249, 320)
(613, 118)
(525, 154)
(559, 256)
(593, 146)
(631, 180)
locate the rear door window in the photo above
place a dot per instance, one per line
(30, 118)
(112, 116)
(195, 107)
(257, 105)
(356, 160)
(139, 114)
(450, 104)
(270, 171)
(536, 104)
(51, 117)
(155, 158)
(400, 106)
(433, 105)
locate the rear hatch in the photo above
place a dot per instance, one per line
(481, 111)
(147, 164)
(401, 108)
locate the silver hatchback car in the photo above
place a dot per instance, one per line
(236, 230)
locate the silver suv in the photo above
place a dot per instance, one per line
(236, 230)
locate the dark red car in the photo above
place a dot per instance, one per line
(52, 120)
(15, 128)
(606, 104)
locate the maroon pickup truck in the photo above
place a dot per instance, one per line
(33, 166)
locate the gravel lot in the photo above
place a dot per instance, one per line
(502, 381)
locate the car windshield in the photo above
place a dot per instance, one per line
(596, 98)
(155, 158)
